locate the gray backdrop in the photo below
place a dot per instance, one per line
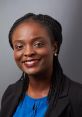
(67, 12)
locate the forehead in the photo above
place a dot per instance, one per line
(31, 27)
(30, 30)
(31, 24)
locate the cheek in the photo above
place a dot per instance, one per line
(17, 56)
(47, 53)
(47, 59)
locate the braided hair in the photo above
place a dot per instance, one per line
(55, 29)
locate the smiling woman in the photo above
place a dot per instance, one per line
(33, 48)
(43, 89)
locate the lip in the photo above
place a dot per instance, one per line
(30, 62)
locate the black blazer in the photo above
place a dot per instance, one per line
(69, 103)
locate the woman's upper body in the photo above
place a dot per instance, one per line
(35, 40)
(69, 103)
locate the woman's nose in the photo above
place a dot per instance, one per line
(29, 51)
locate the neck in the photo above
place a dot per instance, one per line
(39, 85)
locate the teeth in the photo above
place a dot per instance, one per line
(30, 62)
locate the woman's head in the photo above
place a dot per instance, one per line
(52, 26)
(35, 39)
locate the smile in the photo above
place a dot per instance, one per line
(31, 63)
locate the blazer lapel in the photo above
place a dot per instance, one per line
(16, 97)
(62, 102)
(61, 105)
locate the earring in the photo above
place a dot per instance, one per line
(55, 54)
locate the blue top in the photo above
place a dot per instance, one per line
(30, 107)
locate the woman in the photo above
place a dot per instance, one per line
(43, 90)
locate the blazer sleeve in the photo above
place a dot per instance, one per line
(75, 96)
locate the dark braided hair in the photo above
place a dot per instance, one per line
(55, 30)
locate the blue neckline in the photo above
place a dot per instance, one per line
(32, 106)
(36, 99)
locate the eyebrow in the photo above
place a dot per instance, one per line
(38, 38)
(18, 41)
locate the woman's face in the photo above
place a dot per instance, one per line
(33, 50)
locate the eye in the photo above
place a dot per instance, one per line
(18, 46)
(38, 44)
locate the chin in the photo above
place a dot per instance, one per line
(34, 71)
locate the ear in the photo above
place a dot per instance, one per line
(55, 48)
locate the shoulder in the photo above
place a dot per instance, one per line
(74, 88)
(12, 87)
(73, 85)
(75, 96)
(11, 97)
(11, 91)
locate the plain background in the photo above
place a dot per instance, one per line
(67, 12)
